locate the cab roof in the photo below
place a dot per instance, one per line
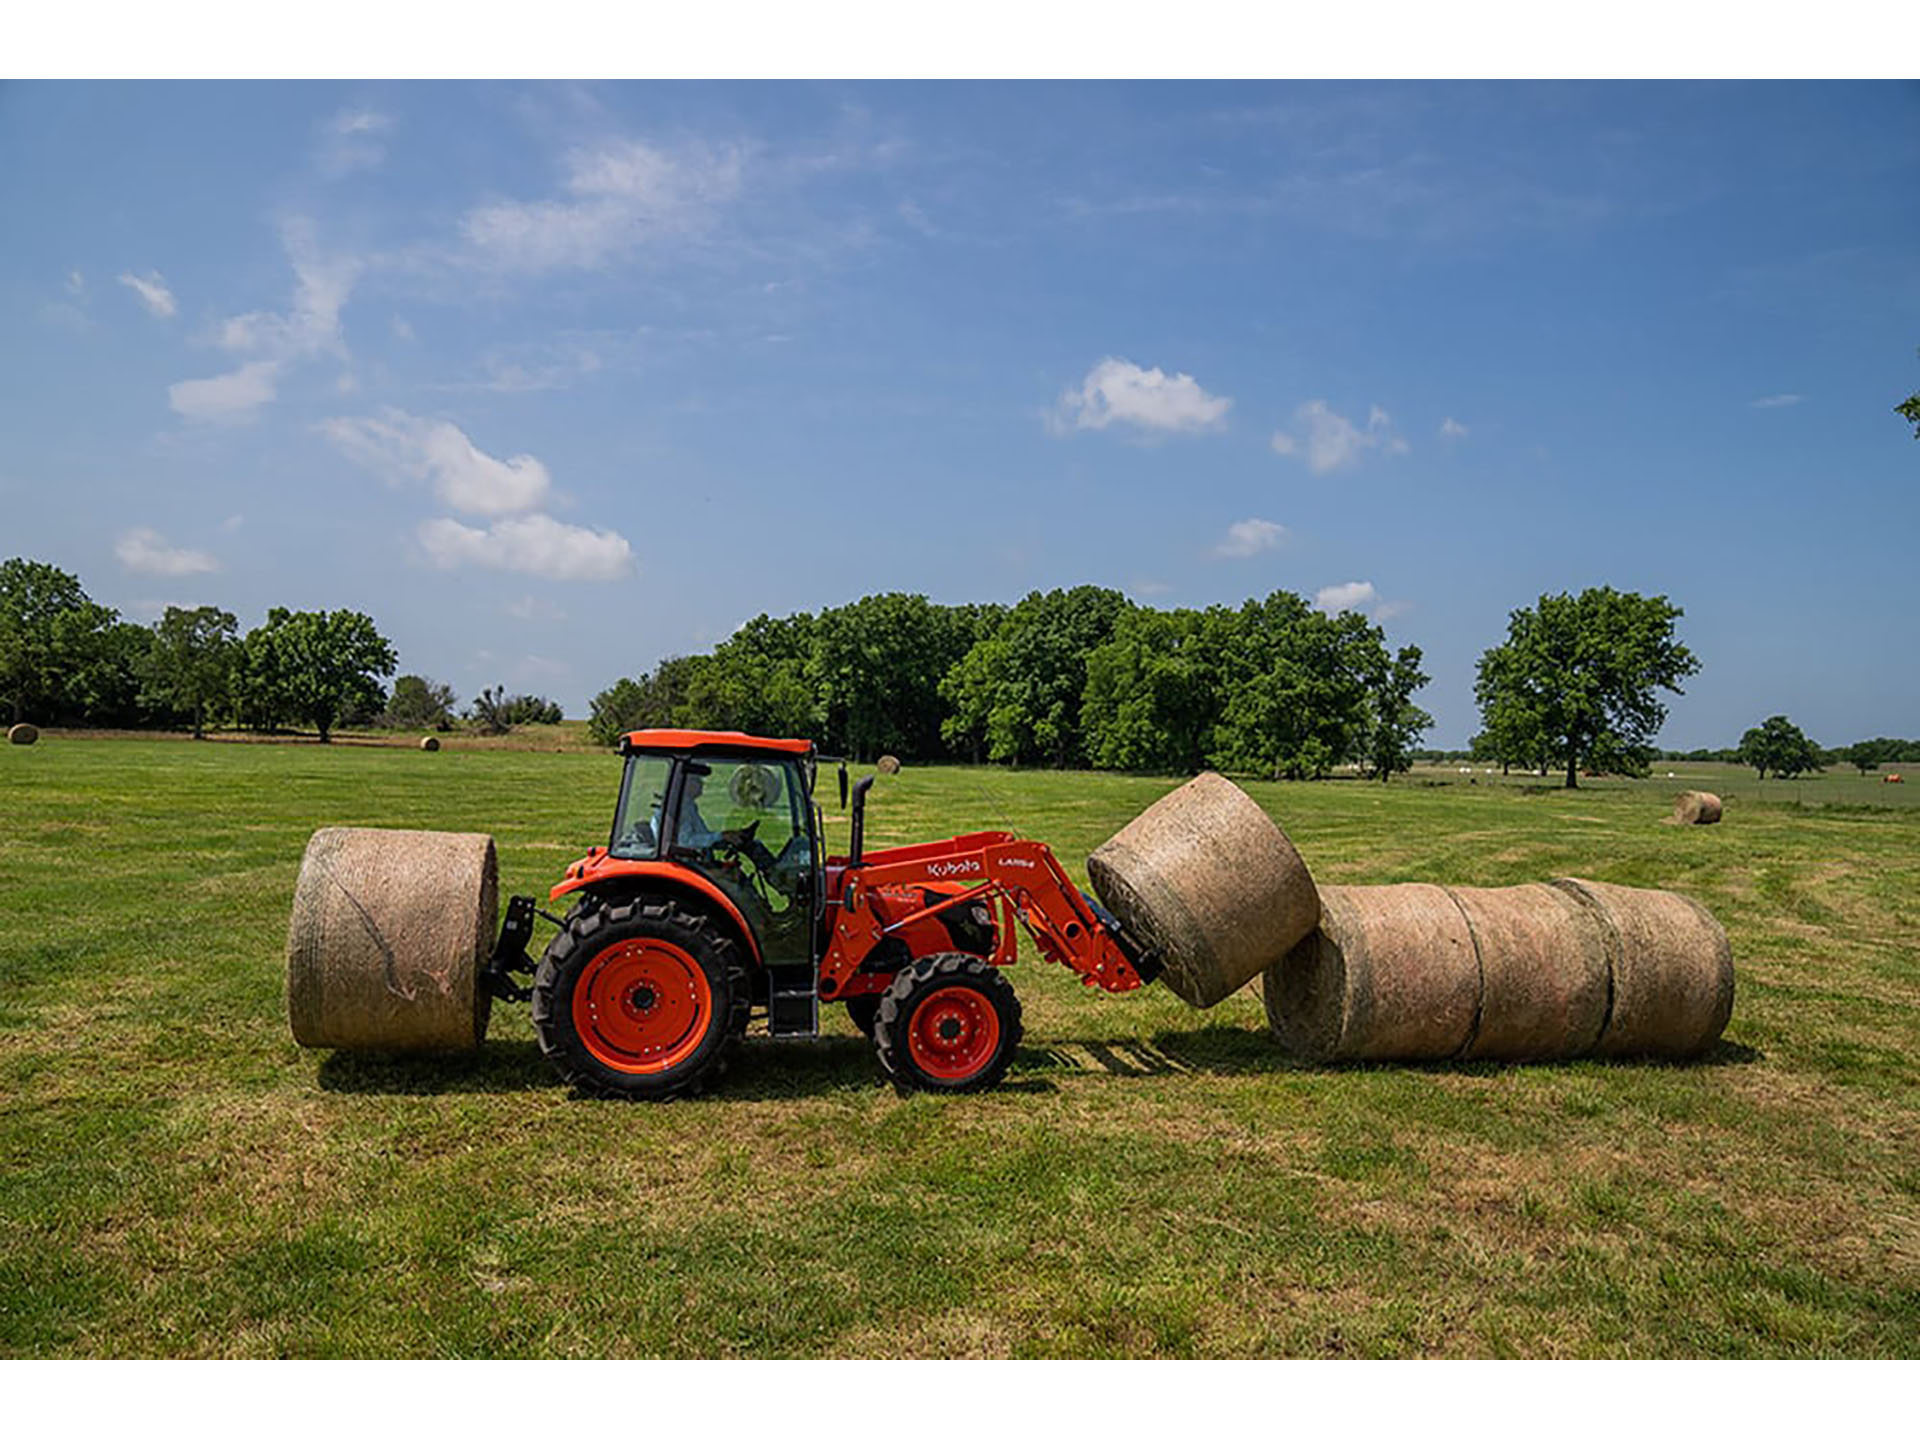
(684, 740)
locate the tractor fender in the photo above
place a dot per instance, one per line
(661, 879)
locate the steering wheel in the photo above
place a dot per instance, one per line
(737, 841)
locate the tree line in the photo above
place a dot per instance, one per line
(67, 660)
(1064, 678)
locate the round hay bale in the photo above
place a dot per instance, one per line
(1672, 970)
(888, 765)
(1696, 807)
(389, 932)
(1390, 974)
(22, 734)
(1204, 877)
(1544, 975)
(429, 742)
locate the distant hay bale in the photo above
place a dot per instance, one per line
(1389, 974)
(22, 734)
(1204, 877)
(429, 742)
(1543, 972)
(390, 930)
(1671, 969)
(1696, 807)
(888, 765)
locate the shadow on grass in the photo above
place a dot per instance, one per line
(1234, 1050)
(498, 1067)
(763, 1069)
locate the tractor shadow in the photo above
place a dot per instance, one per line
(766, 1069)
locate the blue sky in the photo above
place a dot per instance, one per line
(555, 380)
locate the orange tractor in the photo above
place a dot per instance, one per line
(712, 901)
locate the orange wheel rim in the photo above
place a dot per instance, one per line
(642, 1006)
(954, 1033)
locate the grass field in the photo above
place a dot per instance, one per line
(178, 1179)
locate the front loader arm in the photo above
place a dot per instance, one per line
(1021, 877)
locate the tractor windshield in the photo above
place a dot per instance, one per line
(643, 793)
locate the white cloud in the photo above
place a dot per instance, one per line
(403, 446)
(1333, 442)
(152, 290)
(1354, 595)
(76, 284)
(529, 545)
(533, 608)
(620, 196)
(1119, 391)
(147, 552)
(311, 324)
(352, 140)
(401, 329)
(1250, 537)
(1776, 402)
(1452, 429)
(226, 399)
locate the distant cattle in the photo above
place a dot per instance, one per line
(1891, 780)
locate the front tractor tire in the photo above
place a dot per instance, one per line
(948, 1023)
(639, 1001)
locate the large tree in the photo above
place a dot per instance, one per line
(314, 665)
(1778, 745)
(656, 700)
(1294, 685)
(1153, 694)
(190, 662)
(1909, 409)
(1394, 722)
(876, 669)
(419, 702)
(1017, 692)
(52, 636)
(1580, 675)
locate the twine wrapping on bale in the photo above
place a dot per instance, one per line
(1204, 877)
(1543, 973)
(1390, 974)
(1672, 970)
(1695, 807)
(429, 742)
(22, 734)
(1428, 972)
(888, 765)
(389, 932)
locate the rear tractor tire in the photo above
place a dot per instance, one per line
(948, 1023)
(639, 1000)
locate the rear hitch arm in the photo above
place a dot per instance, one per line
(509, 956)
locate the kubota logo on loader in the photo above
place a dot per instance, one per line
(941, 869)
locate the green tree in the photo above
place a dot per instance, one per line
(1578, 676)
(1777, 745)
(418, 703)
(1017, 691)
(1909, 410)
(655, 700)
(1153, 694)
(53, 638)
(1296, 684)
(876, 669)
(313, 665)
(190, 663)
(758, 680)
(1394, 722)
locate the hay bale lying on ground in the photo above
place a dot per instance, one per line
(1671, 970)
(1389, 974)
(1696, 807)
(1204, 877)
(1543, 972)
(888, 765)
(429, 742)
(389, 932)
(1429, 972)
(22, 734)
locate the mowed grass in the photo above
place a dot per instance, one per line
(178, 1179)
